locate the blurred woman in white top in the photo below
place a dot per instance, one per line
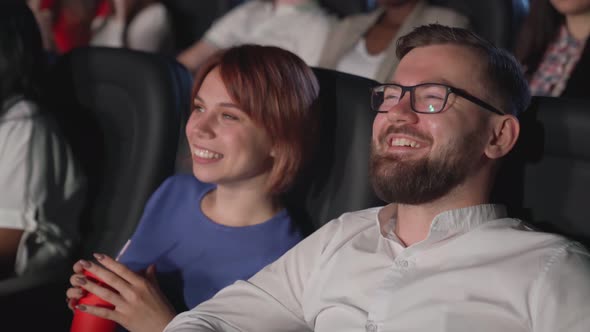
(299, 26)
(42, 189)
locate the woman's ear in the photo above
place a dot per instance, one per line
(273, 153)
(505, 131)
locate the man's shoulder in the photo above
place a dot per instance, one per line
(369, 214)
(523, 236)
(353, 218)
(349, 224)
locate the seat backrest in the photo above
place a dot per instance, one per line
(546, 179)
(496, 20)
(119, 109)
(337, 180)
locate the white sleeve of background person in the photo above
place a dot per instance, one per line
(150, 30)
(107, 32)
(17, 208)
(229, 30)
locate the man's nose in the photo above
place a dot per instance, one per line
(402, 111)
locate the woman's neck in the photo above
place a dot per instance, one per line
(238, 207)
(579, 25)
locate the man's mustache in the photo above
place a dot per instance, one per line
(404, 130)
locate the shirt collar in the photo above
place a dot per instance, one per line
(448, 223)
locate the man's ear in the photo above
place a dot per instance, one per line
(505, 131)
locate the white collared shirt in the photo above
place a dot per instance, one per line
(476, 271)
(301, 29)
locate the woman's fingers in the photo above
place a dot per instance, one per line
(71, 303)
(79, 266)
(77, 280)
(108, 277)
(74, 294)
(119, 269)
(100, 291)
(100, 312)
(114, 275)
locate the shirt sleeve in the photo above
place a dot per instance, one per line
(150, 30)
(17, 208)
(269, 301)
(224, 32)
(560, 300)
(109, 32)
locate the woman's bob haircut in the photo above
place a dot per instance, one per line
(279, 92)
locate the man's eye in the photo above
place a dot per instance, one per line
(436, 97)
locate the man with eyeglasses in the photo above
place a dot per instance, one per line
(439, 257)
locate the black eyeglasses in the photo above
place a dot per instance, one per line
(425, 98)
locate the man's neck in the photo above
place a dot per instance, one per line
(413, 222)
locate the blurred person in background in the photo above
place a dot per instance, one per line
(299, 26)
(364, 44)
(250, 133)
(553, 47)
(42, 189)
(136, 24)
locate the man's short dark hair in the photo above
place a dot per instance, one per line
(503, 74)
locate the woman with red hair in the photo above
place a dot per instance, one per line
(250, 133)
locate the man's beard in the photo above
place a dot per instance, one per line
(427, 179)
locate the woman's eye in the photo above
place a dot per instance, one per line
(198, 109)
(227, 116)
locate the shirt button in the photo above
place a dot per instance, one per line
(404, 263)
(371, 327)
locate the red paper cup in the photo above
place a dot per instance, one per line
(85, 322)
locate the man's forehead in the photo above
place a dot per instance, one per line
(443, 63)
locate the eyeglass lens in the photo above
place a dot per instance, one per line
(428, 98)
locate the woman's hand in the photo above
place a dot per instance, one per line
(74, 294)
(139, 303)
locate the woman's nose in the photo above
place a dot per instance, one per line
(201, 124)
